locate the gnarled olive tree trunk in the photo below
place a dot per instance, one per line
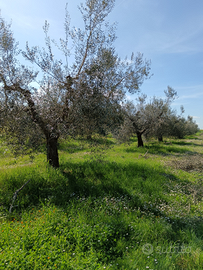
(139, 139)
(52, 152)
(160, 138)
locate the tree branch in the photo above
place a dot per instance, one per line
(27, 94)
(16, 193)
(85, 56)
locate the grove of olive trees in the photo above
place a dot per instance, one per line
(155, 119)
(82, 97)
(58, 97)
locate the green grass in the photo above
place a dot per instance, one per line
(107, 207)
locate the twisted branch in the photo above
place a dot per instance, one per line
(16, 193)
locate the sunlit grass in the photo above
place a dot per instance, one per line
(111, 207)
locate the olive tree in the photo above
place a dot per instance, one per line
(160, 109)
(180, 126)
(147, 118)
(70, 93)
(191, 126)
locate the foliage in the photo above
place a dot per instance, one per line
(81, 97)
(155, 119)
(146, 118)
(181, 127)
(20, 132)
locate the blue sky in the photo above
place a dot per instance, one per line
(169, 32)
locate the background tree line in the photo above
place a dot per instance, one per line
(155, 119)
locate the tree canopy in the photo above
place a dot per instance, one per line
(70, 95)
(155, 118)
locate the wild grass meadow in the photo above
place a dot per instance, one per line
(108, 206)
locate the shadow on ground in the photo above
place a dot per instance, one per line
(161, 149)
(183, 143)
(96, 179)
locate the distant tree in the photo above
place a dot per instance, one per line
(68, 98)
(160, 108)
(137, 121)
(180, 126)
(170, 124)
(191, 126)
(147, 118)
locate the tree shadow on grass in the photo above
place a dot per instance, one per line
(71, 146)
(88, 178)
(82, 144)
(186, 143)
(193, 137)
(194, 224)
(82, 184)
(140, 183)
(160, 149)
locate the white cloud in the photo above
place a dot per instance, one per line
(195, 95)
(191, 87)
(160, 31)
(168, 41)
(190, 92)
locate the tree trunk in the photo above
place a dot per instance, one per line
(89, 137)
(52, 152)
(139, 138)
(89, 134)
(160, 138)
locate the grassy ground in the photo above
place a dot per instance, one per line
(118, 207)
